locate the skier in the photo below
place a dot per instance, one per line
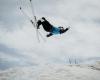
(50, 28)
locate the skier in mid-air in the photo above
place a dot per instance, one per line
(50, 28)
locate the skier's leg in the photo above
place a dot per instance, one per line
(39, 23)
(43, 18)
(46, 25)
(50, 34)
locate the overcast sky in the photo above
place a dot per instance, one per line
(18, 37)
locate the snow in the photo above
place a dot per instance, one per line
(53, 72)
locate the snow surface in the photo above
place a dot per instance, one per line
(53, 72)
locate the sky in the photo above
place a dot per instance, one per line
(18, 40)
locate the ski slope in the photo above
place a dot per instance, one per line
(53, 72)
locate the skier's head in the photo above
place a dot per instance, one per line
(61, 28)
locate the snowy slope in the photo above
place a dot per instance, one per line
(53, 72)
